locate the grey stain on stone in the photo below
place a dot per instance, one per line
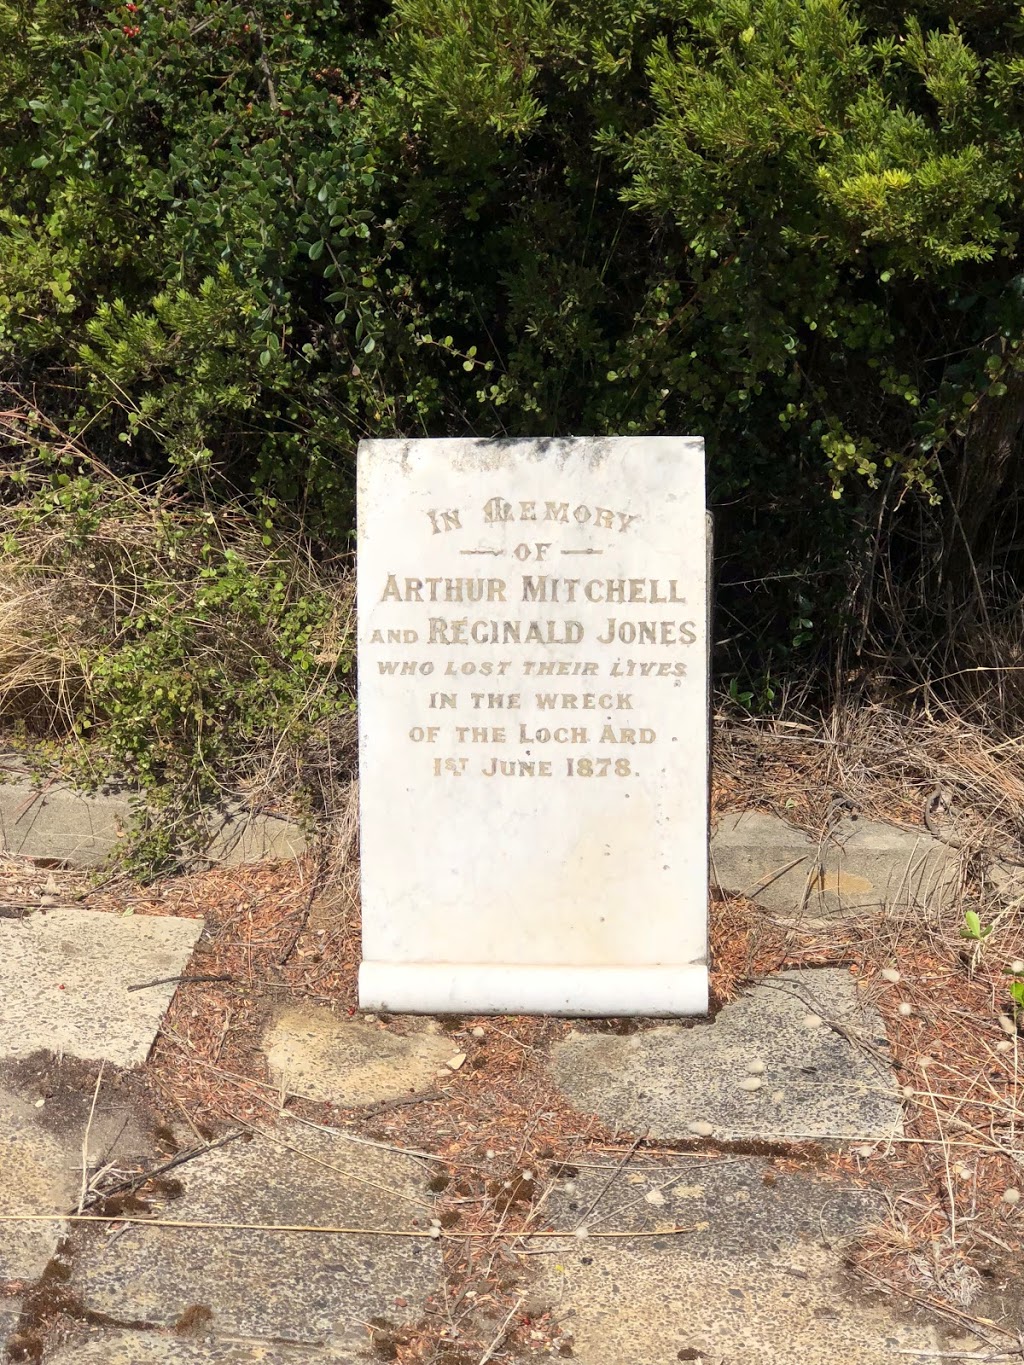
(106, 1347)
(64, 978)
(295, 1286)
(675, 1081)
(758, 1280)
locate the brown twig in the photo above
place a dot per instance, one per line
(136, 1182)
(382, 1106)
(181, 980)
(431, 1234)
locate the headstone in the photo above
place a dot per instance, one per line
(533, 725)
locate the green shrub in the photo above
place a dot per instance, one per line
(238, 237)
(190, 651)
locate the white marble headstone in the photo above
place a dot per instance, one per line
(533, 726)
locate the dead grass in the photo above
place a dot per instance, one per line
(291, 932)
(195, 648)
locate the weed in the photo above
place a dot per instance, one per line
(973, 929)
(166, 641)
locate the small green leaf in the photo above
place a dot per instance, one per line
(972, 925)
(316, 250)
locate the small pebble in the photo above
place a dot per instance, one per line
(962, 1172)
(890, 974)
(40, 1102)
(435, 1222)
(865, 1151)
(1017, 967)
(905, 1008)
(489, 1154)
(756, 1068)
(1004, 1045)
(701, 1127)
(370, 1018)
(479, 1032)
(813, 1021)
(1007, 1025)
(751, 1083)
(1011, 1196)
(778, 1096)
(654, 1197)
(453, 1063)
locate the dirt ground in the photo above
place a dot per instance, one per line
(498, 1129)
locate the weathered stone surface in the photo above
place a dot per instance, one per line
(103, 1347)
(760, 1280)
(36, 1176)
(533, 725)
(64, 978)
(10, 1311)
(862, 864)
(41, 1154)
(1006, 880)
(816, 1082)
(52, 821)
(239, 835)
(301, 1287)
(313, 1052)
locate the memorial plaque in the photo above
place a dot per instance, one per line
(533, 715)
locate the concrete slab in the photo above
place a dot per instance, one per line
(53, 821)
(36, 1176)
(861, 864)
(768, 1067)
(1006, 880)
(158, 1348)
(10, 1311)
(351, 1061)
(40, 1158)
(64, 978)
(299, 1287)
(239, 835)
(760, 1280)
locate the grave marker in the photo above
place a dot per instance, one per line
(533, 725)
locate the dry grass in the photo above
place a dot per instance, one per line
(885, 764)
(148, 635)
(951, 1238)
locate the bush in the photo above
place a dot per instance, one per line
(186, 649)
(241, 236)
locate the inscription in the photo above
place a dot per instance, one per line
(577, 614)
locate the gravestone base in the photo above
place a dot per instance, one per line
(483, 988)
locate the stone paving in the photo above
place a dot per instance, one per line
(802, 1056)
(65, 978)
(758, 1279)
